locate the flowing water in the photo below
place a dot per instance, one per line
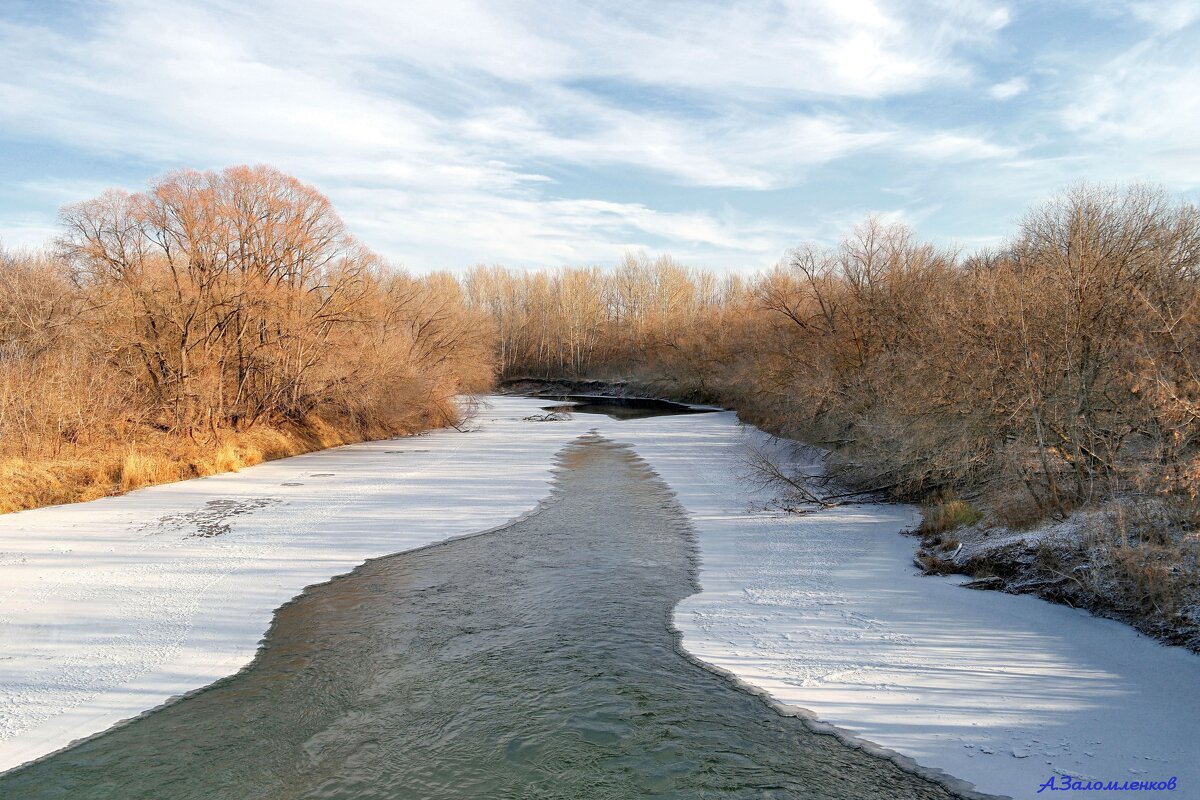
(620, 407)
(536, 661)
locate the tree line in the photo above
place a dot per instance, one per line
(220, 308)
(1057, 369)
(205, 312)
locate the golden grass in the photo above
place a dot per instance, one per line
(153, 457)
(947, 516)
(146, 469)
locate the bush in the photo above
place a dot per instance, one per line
(948, 516)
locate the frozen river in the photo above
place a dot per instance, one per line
(536, 660)
(110, 608)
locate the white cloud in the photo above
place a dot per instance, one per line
(1140, 114)
(751, 151)
(442, 129)
(21, 231)
(1010, 88)
(858, 48)
(459, 101)
(957, 147)
(1160, 16)
(525, 232)
(1167, 15)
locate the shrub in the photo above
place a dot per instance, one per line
(948, 516)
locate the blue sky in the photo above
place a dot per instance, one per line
(458, 132)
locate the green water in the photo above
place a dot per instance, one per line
(532, 662)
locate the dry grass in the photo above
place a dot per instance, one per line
(947, 516)
(1017, 510)
(154, 458)
(146, 469)
(1147, 576)
(1144, 560)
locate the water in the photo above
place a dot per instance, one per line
(622, 408)
(531, 662)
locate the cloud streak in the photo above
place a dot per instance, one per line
(461, 131)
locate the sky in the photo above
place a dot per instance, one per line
(534, 134)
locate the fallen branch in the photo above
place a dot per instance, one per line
(771, 473)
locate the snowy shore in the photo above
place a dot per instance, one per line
(827, 613)
(112, 607)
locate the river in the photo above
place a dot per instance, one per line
(534, 661)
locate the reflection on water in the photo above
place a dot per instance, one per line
(532, 662)
(620, 407)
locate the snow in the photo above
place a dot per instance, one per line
(111, 607)
(825, 612)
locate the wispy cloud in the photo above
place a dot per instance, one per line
(457, 131)
(1141, 112)
(1167, 15)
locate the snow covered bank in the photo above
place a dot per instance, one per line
(826, 612)
(111, 607)
(1129, 558)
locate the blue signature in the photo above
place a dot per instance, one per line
(1065, 783)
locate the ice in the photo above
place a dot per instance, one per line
(110, 608)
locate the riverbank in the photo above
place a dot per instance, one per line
(1132, 558)
(826, 612)
(146, 456)
(111, 607)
